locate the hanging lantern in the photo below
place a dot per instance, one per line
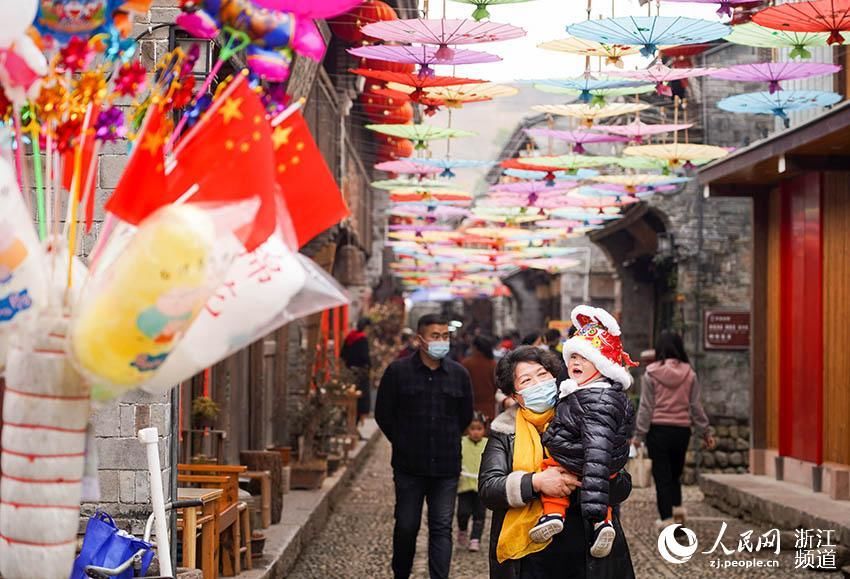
(347, 26)
(379, 108)
(400, 115)
(392, 148)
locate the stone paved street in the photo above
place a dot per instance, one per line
(357, 542)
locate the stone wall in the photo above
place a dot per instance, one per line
(730, 456)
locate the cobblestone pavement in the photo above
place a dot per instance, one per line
(357, 542)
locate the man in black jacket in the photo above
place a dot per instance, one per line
(424, 405)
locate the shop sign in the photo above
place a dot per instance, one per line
(726, 330)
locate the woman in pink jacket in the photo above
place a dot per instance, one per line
(669, 406)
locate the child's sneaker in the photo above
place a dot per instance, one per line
(547, 526)
(475, 545)
(462, 538)
(603, 539)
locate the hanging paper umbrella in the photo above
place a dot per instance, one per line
(649, 32)
(599, 96)
(642, 164)
(407, 167)
(637, 130)
(419, 227)
(600, 198)
(496, 217)
(577, 138)
(832, 16)
(779, 103)
(419, 195)
(612, 53)
(420, 134)
(677, 154)
(583, 85)
(398, 184)
(442, 32)
(774, 72)
(632, 183)
(661, 75)
(529, 202)
(423, 55)
(586, 216)
(751, 34)
(569, 224)
(725, 8)
(429, 211)
(455, 96)
(422, 235)
(418, 83)
(550, 264)
(481, 12)
(588, 114)
(535, 187)
(536, 174)
(570, 162)
(614, 189)
(448, 165)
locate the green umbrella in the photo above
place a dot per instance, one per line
(481, 6)
(419, 133)
(751, 34)
(404, 184)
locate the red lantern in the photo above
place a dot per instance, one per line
(399, 115)
(347, 26)
(399, 149)
(379, 108)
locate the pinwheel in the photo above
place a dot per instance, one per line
(612, 53)
(481, 12)
(428, 211)
(677, 154)
(751, 34)
(780, 103)
(637, 130)
(774, 72)
(577, 138)
(649, 32)
(587, 86)
(416, 82)
(661, 75)
(442, 32)
(404, 184)
(832, 16)
(420, 134)
(725, 8)
(324, 9)
(422, 55)
(588, 114)
(448, 165)
(407, 167)
(570, 162)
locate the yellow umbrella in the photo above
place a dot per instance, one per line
(612, 53)
(590, 113)
(677, 153)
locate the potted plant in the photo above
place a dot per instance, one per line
(205, 411)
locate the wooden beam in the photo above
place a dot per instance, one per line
(739, 190)
(799, 163)
(758, 309)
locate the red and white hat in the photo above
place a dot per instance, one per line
(597, 338)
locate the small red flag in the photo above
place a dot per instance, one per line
(311, 194)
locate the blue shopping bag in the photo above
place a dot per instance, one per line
(104, 545)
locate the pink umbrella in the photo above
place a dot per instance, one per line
(637, 130)
(632, 191)
(568, 224)
(529, 187)
(725, 5)
(405, 167)
(661, 75)
(577, 137)
(773, 72)
(429, 212)
(531, 201)
(442, 33)
(420, 228)
(323, 9)
(423, 55)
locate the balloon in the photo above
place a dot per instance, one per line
(270, 65)
(23, 283)
(15, 17)
(64, 19)
(138, 307)
(308, 40)
(22, 65)
(257, 289)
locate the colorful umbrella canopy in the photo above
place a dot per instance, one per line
(529, 187)
(419, 227)
(583, 85)
(677, 153)
(577, 138)
(423, 55)
(528, 201)
(418, 83)
(779, 103)
(641, 164)
(396, 184)
(774, 72)
(428, 211)
(420, 134)
(481, 11)
(455, 96)
(614, 189)
(448, 165)
(550, 264)
(588, 114)
(612, 53)
(407, 167)
(661, 75)
(725, 8)
(632, 183)
(423, 235)
(442, 32)
(649, 32)
(598, 96)
(570, 162)
(419, 195)
(535, 175)
(587, 217)
(832, 16)
(751, 34)
(637, 130)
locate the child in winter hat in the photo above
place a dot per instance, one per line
(593, 423)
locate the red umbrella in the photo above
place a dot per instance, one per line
(519, 164)
(418, 83)
(831, 16)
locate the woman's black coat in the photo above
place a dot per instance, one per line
(501, 488)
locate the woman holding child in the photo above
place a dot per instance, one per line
(542, 450)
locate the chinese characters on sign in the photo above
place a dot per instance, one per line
(724, 330)
(815, 549)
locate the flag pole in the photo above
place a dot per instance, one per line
(289, 111)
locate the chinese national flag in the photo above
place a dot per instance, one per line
(141, 189)
(311, 194)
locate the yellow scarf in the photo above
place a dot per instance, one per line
(514, 542)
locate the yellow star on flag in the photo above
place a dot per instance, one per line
(152, 141)
(280, 137)
(230, 109)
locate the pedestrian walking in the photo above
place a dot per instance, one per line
(355, 354)
(481, 365)
(469, 504)
(408, 341)
(424, 405)
(670, 406)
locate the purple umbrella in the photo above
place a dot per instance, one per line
(429, 212)
(423, 55)
(577, 137)
(420, 228)
(442, 33)
(725, 5)
(637, 130)
(520, 200)
(528, 187)
(403, 167)
(661, 74)
(773, 72)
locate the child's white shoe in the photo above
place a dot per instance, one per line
(547, 526)
(475, 545)
(603, 539)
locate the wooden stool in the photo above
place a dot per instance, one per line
(265, 480)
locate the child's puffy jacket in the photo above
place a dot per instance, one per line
(589, 436)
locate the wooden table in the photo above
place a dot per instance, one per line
(208, 521)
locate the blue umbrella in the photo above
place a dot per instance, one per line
(779, 103)
(588, 86)
(559, 175)
(650, 32)
(448, 164)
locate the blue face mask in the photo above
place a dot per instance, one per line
(540, 397)
(438, 350)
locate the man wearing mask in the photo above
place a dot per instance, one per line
(424, 405)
